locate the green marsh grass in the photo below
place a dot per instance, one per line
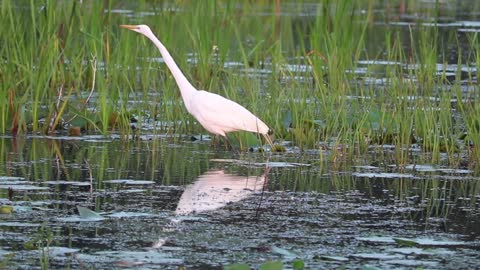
(244, 51)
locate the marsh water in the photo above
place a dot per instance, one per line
(165, 201)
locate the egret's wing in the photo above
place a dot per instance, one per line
(216, 112)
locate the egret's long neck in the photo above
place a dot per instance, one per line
(186, 88)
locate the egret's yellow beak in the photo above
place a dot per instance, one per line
(128, 26)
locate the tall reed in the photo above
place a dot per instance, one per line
(72, 62)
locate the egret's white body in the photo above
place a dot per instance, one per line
(215, 113)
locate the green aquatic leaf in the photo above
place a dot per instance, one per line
(6, 209)
(374, 120)
(403, 242)
(244, 140)
(380, 121)
(298, 264)
(237, 266)
(315, 123)
(79, 122)
(82, 119)
(272, 265)
(287, 119)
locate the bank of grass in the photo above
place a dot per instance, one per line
(69, 64)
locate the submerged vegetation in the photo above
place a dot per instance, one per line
(342, 76)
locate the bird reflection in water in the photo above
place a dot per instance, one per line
(211, 191)
(215, 189)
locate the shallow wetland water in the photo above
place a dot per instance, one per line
(169, 202)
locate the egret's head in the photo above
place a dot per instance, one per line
(141, 28)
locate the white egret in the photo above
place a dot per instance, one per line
(216, 114)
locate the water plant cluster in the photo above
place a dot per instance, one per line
(343, 76)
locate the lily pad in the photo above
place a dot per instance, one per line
(377, 239)
(128, 215)
(11, 178)
(73, 183)
(60, 251)
(376, 256)
(403, 242)
(334, 258)
(366, 167)
(88, 214)
(225, 160)
(284, 252)
(420, 251)
(413, 263)
(237, 266)
(421, 168)
(455, 171)
(431, 168)
(278, 164)
(131, 258)
(298, 264)
(429, 242)
(22, 187)
(129, 182)
(6, 209)
(383, 175)
(273, 265)
(18, 224)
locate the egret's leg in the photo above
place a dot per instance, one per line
(228, 144)
(268, 139)
(215, 141)
(264, 188)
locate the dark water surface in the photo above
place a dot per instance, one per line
(168, 202)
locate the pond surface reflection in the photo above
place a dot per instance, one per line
(215, 189)
(168, 202)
